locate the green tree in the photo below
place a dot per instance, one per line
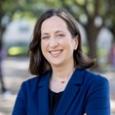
(91, 14)
(8, 8)
(111, 15)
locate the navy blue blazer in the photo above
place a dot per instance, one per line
(86, 92)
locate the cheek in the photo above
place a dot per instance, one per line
(68, 48)
(71, 44)
(43, 47)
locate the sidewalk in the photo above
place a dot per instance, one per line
(16, 71)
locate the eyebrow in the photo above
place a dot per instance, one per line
(58, 31)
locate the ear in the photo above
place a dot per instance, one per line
(75, 42)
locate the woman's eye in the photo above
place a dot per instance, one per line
(60, 35)
(44, 37)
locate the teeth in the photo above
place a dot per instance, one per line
(55, 53)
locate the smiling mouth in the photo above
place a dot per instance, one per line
(55, 53)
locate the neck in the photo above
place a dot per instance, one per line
(63, 72)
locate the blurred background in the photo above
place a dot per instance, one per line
(17, 19)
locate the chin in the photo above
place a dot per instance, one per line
(56, 63)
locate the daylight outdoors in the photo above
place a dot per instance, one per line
(17, 19)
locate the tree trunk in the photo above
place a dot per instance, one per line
(2, 29)
(92, 32)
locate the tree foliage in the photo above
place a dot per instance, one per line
(91, 14)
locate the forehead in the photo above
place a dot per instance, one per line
(53, 24)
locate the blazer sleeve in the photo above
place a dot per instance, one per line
(20, 103)
(98, 98)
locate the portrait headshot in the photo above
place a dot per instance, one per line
(64, 83)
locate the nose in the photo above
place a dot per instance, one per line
(53, 43)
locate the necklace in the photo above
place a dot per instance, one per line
(63, 82)
(66, 80)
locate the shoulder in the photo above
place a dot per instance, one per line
(92, 78)
(33, 83)
(94, 81)
(97, 93)
(96, 77)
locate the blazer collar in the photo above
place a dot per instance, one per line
(43, 98)
(72, 89)
(44, 79)
(75, 79)
(70, 92)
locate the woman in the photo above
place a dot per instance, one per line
(63, 86)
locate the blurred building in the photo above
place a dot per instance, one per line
(17, 37)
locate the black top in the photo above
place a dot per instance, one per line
(53, 100)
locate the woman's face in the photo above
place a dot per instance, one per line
(57, 43)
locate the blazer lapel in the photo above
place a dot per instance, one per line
(70, 92)
(43, 103)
